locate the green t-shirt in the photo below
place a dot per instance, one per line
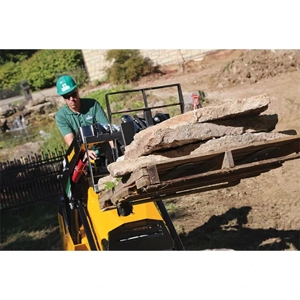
(91, 112)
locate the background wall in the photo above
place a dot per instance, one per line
(95, 59)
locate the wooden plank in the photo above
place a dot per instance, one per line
(188, 162)
(146, 199)
(125, 184)
(130, 180)
(144, 181)
(195, 182)
(284, 146)
(153, 174)
(256, 152)
(228, 160)
(213, 177)
(279, 147)
(198, 172)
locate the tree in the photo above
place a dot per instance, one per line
(15, 55)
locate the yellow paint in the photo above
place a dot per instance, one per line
(105, 221)
(71, 155)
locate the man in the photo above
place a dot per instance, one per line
(77, 112)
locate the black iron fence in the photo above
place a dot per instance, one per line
(8, 93)
(30, 182)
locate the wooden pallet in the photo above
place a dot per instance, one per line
(198, 173)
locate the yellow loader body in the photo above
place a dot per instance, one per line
(144, 229)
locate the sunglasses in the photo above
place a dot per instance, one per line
(72, 94)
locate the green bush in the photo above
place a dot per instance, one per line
(127, 66)
(10, 75)
(15, 55)
(80, 76)
(42, 69)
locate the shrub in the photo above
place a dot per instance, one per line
(42, 68)
(127, 66)
(10, 75)
(15, 55)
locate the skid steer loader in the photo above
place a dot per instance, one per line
(83, 224)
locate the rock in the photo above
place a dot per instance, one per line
(56, 100)
(3, 126)
(230, 118)
(177, 136)
(7, 111)
(35, 102)
(260, 123)
(252, 106)
(42, 108)
(218, 128)
(230, 142)
(121, 168)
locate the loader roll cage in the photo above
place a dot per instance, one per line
(147, 109)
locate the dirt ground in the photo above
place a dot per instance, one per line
(261, 213)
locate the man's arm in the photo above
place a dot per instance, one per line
(69, 138)
(100, 114)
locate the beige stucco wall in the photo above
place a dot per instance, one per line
(95, 59)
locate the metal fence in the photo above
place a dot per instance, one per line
(8, 93)
(31, 182)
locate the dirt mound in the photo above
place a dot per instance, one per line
(252, 66)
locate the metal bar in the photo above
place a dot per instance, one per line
(86, 227)
(141, 109)
(181, 100)
(145, 89)
(179, 91)
(170, 225)
(73, 225)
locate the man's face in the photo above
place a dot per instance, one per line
(72, 99)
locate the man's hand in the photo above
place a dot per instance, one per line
(111, 144)
(92, 154)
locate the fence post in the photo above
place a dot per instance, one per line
(26, 89)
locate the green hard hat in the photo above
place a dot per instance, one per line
(65, 84)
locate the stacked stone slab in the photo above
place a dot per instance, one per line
(211, 128)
